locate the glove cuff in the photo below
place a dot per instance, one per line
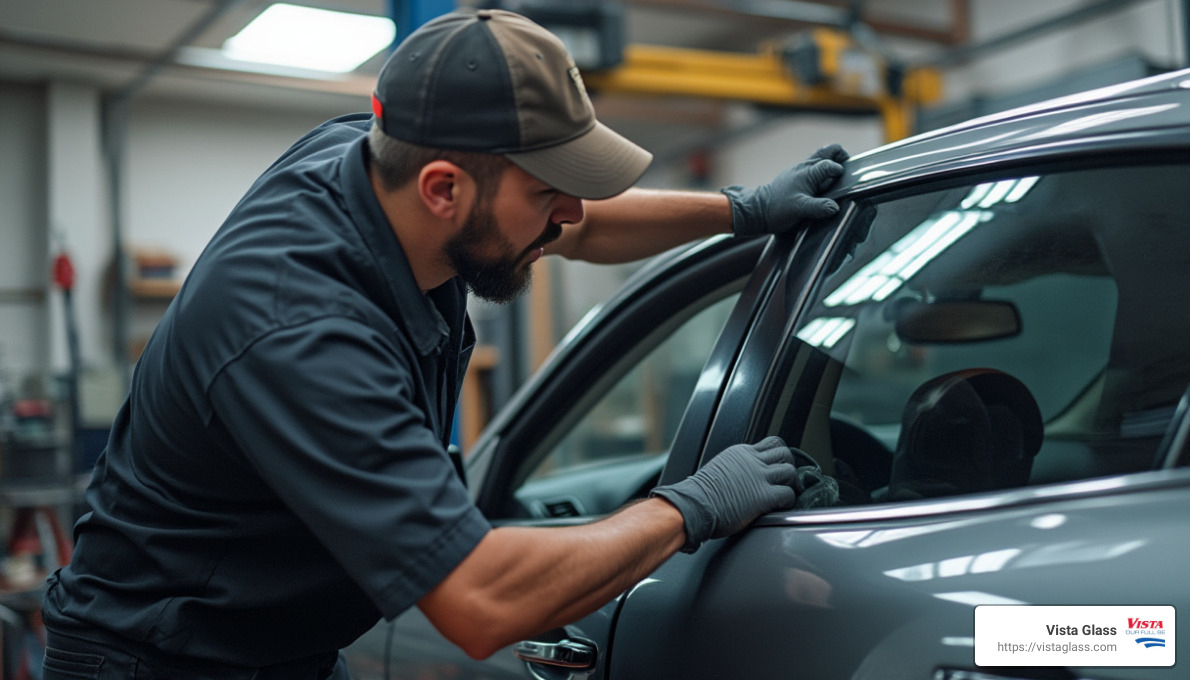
(685, 508)
(746, 220)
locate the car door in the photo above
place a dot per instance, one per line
(594, 429)
(991, 364)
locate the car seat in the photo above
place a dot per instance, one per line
(966, 431)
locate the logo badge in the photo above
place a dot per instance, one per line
(577, 79)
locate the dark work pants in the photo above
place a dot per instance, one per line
(82, 654)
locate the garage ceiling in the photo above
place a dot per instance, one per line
(113, 43)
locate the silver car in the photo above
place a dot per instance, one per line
(988, 349)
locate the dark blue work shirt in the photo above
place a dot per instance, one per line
(278, 478)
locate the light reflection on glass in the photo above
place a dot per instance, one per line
(888, 271)
(891, 269)
(825, 332)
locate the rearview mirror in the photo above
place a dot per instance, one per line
(950, 321)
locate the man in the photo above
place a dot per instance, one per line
(277, 480)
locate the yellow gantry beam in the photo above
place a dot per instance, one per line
(762, 78)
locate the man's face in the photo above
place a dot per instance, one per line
(488, 262)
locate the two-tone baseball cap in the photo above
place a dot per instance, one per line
(494, 81)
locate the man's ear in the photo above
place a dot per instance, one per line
(443, 187)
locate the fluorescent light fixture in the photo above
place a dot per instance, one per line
(309, 38)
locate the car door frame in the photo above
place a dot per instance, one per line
(676, 588)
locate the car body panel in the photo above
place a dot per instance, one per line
(861, 596)
(1126, 117)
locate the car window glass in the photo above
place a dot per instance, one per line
(1021, 330)
(614, 447)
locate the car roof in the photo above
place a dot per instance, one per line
(1135, 114)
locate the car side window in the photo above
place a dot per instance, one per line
(613, 444)
(1020, 330)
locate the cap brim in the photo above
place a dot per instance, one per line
(597, 164)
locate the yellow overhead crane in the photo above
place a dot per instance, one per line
(825, 71)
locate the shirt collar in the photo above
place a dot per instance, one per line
(413, 310)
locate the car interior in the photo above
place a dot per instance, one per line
(992, 335)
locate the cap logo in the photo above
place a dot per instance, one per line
(577, 79)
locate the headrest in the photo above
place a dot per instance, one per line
(966, 431)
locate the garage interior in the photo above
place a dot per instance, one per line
(126, 136)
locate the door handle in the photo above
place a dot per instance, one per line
(574, 656)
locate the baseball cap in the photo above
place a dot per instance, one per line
(494, 81)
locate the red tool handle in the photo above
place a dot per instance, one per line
(63, 272)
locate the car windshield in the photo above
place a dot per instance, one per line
(1065, 288)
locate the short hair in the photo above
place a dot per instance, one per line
(398, 162)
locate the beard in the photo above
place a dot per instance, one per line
(499, 278)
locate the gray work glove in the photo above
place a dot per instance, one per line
(790, 198)
(737, 486)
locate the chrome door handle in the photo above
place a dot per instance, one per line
(572, 654)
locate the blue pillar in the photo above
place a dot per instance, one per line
(409, 14)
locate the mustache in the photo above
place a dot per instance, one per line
(552, 231)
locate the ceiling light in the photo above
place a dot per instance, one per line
(309, 38)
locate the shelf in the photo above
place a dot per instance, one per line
(153, 289)
(34, 492)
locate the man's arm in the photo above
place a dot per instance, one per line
(640, 223)
(520, 581)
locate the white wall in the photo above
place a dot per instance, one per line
(189, 162)
(24, 278)
(1150, 28)
(186, 166)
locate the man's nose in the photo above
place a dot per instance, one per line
(567, 210)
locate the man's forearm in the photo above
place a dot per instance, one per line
(640, 223)
(520, 581)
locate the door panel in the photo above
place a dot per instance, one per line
(854, 596)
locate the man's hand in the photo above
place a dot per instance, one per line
(790, 198)
(737, 486)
